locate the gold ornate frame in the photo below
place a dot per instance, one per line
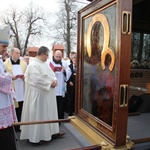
(106, 16)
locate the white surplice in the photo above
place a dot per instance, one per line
(39, 102)
(7, 109)
(18, 83)
(61, 78)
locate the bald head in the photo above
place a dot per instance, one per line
(15, 54)
(58, 52)
(14, 50)
(57, 56)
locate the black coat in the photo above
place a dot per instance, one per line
(71, 79)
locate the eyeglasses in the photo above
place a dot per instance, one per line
(46, 54)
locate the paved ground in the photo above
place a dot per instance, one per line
(138, 128)
(72, 139)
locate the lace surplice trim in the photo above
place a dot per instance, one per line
(7, 116)
(6, 84)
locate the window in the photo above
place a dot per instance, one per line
(140, 53)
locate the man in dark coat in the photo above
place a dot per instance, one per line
(71, 87)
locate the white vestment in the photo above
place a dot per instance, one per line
(7, 109)
(39, 102)
(61, 78)
(18, 83)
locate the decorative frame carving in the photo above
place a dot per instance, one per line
(99, 48)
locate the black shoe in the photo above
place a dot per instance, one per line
(58, 135)
(17, 130)
(70, 114)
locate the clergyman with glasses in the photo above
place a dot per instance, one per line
(40, 100)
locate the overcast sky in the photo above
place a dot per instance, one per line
(48, 5)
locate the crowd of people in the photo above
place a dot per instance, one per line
(33, 91)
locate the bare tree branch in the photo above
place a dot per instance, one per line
(24, 24)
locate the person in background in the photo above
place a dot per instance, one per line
(5, 56)
(40, 100)
(7, 108)
(71, 87)
(17, 67)
(62, 72)
(69, 61)
(26, 58)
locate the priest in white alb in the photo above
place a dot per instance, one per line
(40, 100)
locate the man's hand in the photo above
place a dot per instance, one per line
(18, 76)
(14, 77)
(54, 84)
(71, 83)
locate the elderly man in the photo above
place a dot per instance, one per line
(17, 68)
(7, 109)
